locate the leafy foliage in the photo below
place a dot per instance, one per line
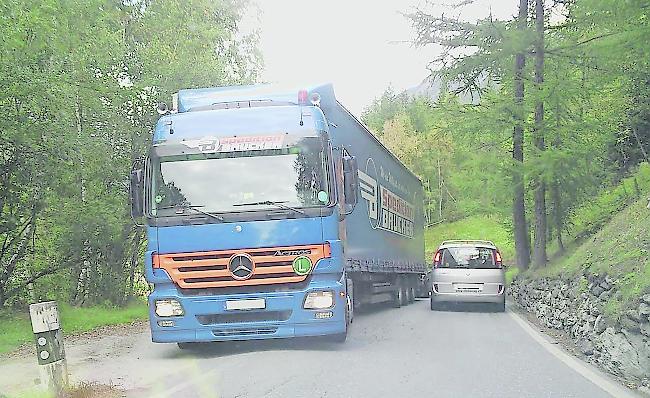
(78, 86)
(595, 121)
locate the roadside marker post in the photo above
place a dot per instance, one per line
(49, 346)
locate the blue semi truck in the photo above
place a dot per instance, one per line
(272, 213)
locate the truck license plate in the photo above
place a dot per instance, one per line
(251, 304)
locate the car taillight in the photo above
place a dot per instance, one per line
(497, 258)
(436, 259)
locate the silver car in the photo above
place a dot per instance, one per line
(468, 271)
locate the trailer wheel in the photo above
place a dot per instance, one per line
(398, 295)
(402, 291)
(411, 292)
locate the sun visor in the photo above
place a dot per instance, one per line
(214, 144)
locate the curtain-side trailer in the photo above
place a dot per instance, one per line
(272, 213)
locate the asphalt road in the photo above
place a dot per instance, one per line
(407, 352)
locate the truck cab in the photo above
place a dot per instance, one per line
(242, 198)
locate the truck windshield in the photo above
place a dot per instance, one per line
(219, 182)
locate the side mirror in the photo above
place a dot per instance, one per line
(135, 193)
(350, 182)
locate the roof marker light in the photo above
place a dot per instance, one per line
(302, 97)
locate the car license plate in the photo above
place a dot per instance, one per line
(252, 304)
(469, 287)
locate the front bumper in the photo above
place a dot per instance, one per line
(298, 322)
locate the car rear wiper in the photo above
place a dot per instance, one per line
(272, 203)
(195, 208)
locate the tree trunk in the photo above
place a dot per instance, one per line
(557, 214)
(522, 245)
(539, 246)
(439, 191)
(638, 141)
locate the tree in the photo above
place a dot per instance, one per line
(79, 86)
(518, 201)
(540, 230)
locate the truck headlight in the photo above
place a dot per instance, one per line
(168, 307)
(319, 300)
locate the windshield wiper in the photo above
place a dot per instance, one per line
(195, 208)
(272, 203)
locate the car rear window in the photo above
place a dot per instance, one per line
(468, 257)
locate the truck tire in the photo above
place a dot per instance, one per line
(405, 294)
(187, 346)
(434, 306)
(411, 292)
(349, 299)
(350, 309)
(398, 296)
(500, 307)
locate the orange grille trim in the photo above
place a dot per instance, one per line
(210, 269)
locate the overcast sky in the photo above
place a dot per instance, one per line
(359, 45)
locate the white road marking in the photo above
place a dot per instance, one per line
(584, 369)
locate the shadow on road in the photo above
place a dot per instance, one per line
(467, 307)
(228, 348)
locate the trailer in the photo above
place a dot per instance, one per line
(272, 213)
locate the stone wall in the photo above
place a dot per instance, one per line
(620, 345)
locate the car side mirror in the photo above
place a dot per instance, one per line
(136, 193)
(350, 182)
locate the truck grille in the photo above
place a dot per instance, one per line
(210, 269)
(247, 332)
(244, 317)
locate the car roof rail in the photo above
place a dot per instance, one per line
(468, 241)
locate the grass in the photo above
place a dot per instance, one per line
(474, 227)
(590, 218)
(16, 329)
(81, 390)
(511, 274)
(621, 249)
